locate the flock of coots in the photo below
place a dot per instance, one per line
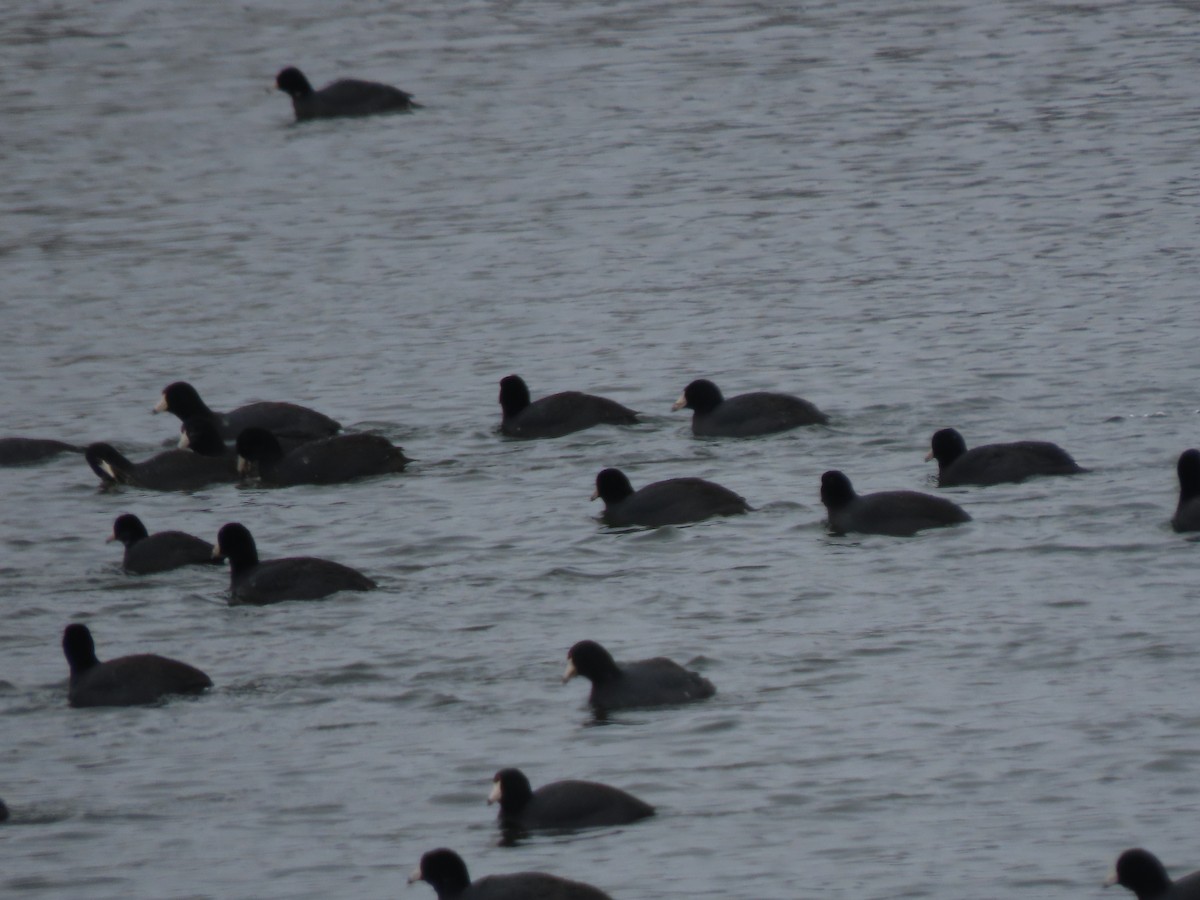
(281, 444)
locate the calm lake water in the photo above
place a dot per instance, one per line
(916, 215)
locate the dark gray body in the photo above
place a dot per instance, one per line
(19, 451)
(674, 501)
(575, 804)
(332, 460)
(294, 578)
(898, 513)
(1011, 462)
(167, 550)
(565, 413)
(172, 470)
(134, 680)
(757, 413)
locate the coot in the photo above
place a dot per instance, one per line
(996, 463)
(1141, 872)
(282, 419)
(346, 97)
(446, 873)
(1187, 513)
(557, 414)
(126, 681)
(645, 682)
(900, 513)
(160, 552)
(276, 580)
(562, 804)
(671, 502)
(745, 415)
(171, 470)
(330, 460)
(19, 451)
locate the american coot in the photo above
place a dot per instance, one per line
(3, 812)
(282, 419)
(900, 513)
(646, 682)
(1141, 872)
(276, 580)
(330, 460)
(996, 463)
(19, 451)
(562, 804)
(745, 415)
(446, 873)
(127, 681)
(1187, 513)
(171, 470)
(671, 502)
(347, 97)
(557, 414)
(160, 552)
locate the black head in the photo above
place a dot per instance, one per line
(612, 486)
(701, 396)
(1141, 872)
(444, 871)
(181, 400)
(106, 462)
(128, 529)
(514, 395)
(293, 83)
(593, 662)
(257, 445)
(946, 446)
(836, 489)
(200, 435)
(79, 648)
(1189, 475)
(235, 542)
(3, 812)
(511, 789)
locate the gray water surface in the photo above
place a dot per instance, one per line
(916, 215)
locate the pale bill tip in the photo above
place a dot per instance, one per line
(161, 405)
(494, 796)
(415, 876)
(1112, 878)
(217, 554)
(679, 404)
(243, 465)
(596, 494)
(110, 538)
(570, 672)
(929, 456)
(184, 442)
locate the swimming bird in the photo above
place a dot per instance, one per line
(899, 513)
(285, 420)
(996, 463)
(557, 414)
(127, 680)
(562, 804)
(644, 682)
(162, 551)
(445, 872)
(1141, 872)
(1187, 513)
(275, 580)
(674, 501)
(330, 460)
(346, 97)
(20, 451)
(746, 415)
(171, 470)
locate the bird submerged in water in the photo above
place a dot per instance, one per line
(345, 97)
